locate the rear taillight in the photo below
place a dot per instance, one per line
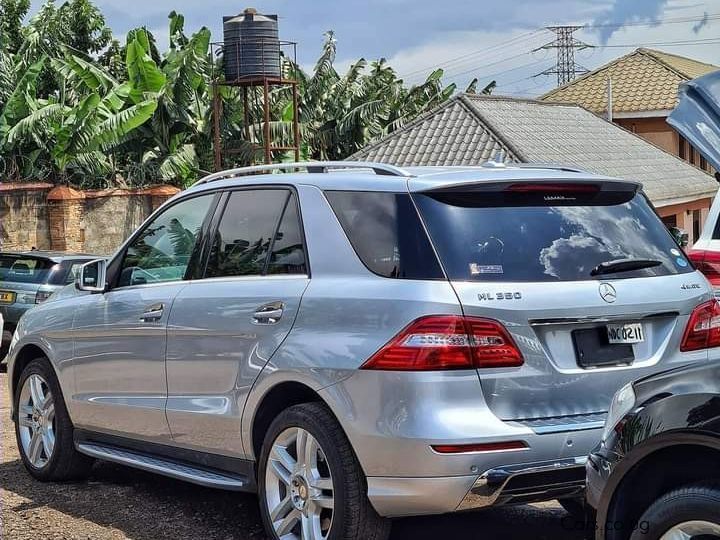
(442, 342)
(703, 329)
(41, 296)
(708, 262)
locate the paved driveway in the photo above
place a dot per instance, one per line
(119, 503)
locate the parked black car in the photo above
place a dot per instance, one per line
(656, 475)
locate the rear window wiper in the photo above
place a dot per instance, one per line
(623, 265)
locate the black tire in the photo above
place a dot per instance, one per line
(698, 502)
(65, 463)
(353, 518)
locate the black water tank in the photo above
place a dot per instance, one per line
(252, 46)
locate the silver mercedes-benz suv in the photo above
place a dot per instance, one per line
(356, 341)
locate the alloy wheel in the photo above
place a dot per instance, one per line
(36, 421)
(299, 487)
(693, 529)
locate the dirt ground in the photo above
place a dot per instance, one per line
(119, 503)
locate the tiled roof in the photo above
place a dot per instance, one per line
(644, 80)
(448, 135)
(469, 129)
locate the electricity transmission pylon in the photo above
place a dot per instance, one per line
(565, 68)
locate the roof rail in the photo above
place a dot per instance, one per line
(311, 167)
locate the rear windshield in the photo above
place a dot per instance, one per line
(491, 237)
(19, 269)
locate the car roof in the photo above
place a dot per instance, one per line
(56, 256)
(359, 176)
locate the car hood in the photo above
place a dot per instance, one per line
(697, 116)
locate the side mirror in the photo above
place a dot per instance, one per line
(91, 276)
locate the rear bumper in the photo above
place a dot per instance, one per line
(514, 484)
(525, 483)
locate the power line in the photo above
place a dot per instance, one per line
(705, 41)
(527, 35)
(482, 52)
(566, 45)
(656, 22)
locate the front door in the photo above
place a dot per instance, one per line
(120, 336)
(224, 327)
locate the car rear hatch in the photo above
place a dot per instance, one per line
(583, 274)
(22, 276)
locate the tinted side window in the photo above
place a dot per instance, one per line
(242, 241)
(161, 252)
(386, 233)
(288, 255)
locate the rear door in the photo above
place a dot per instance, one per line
(226, 324)
(543, 259)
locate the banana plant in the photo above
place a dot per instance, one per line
(94, 115)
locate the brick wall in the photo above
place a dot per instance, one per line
(65, 219)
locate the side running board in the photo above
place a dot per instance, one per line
(165, 467)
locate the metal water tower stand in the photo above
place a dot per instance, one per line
(249, 82)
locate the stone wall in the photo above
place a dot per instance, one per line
(65, 219)
(24, 218)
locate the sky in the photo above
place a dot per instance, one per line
(488, 39)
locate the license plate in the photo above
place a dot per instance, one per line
(7, 297)
(627, 333)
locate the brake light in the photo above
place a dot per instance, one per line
(703, 329)
(708, 262)
(553, 188)
(443, 342)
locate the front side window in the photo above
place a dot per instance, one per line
(244, 238)
(162, 251)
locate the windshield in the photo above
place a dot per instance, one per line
(21, 269)
(478, 240)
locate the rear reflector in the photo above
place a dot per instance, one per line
(708, 262)
(703, 329)
(484, 447)
(443, 342)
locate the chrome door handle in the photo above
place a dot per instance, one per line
(268, 314)
(153, 313)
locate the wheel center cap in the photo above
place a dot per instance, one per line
(299, 492)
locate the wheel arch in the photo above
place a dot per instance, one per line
(689, 460)
(278, 398)
(23, 357)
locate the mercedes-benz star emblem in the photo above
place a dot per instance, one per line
(608, 293)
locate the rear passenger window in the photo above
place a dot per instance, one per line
(288, 255)
(386, 233)
(251, 240)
